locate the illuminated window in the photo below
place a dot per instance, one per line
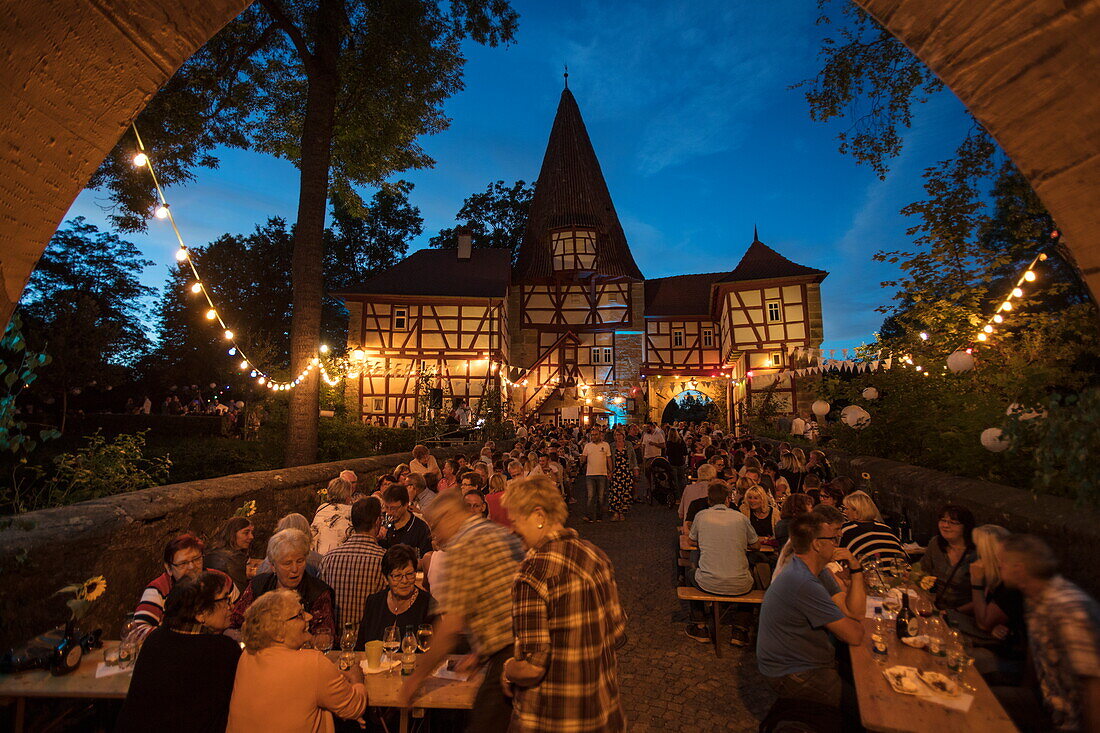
(708, 338)
(775, 311)
(602, 355)
(776, 359)
(400, 319)
(607, 355)
(573, 249)
(678, 338)
(597, 352)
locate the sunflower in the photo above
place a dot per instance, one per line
(92, 588)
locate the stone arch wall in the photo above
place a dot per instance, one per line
(662, 391)
(75, 74)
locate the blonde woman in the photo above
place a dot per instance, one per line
(567, 621)
(494, 498)
(865, 534)
(998, 610)
(760, 510)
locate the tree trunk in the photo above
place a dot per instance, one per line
(316, 157)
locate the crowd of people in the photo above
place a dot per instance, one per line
(475, 548)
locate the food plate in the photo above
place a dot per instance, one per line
(903, 679)
(385, 666)
(917, 642)
(940, 684)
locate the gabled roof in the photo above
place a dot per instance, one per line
(680, 295)
(571, 191)
(439, 272)
(761, 262)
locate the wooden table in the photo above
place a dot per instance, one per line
(686, 545)
(882, 709)
(382, 689)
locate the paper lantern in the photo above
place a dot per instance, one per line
(855, 416)
(870, 393)
(821, 408)
(240, 404)
(960, 361)
(994, 440)
(1024, 413)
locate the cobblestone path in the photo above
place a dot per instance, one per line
(669, 681)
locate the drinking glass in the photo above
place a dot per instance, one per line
(391, 643)
(347, 645)
(322, 640)
(424, 637)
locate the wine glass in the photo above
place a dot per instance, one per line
(391, 643)
(424, 637)
(322, 640)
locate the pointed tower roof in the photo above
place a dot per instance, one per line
(571, 191)
(761, 262)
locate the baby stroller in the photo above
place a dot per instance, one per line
(662, 483)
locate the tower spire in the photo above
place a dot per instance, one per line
(566, 76)
(755, 237)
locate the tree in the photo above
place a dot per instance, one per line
(496, 217)
(342, 88)
(85, 305)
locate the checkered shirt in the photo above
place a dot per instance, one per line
(482, 559)
(568, 621)
(1063, 628)
(354, 570)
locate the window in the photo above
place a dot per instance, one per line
(597, 353)
(607, 355)
(708, 338)
(602, 355)
(573, 249)
(401, 319)
(378, 404)
(775, 311)
(776, 359)
(678, 338)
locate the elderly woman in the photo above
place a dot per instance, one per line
(332, 522)
(287, 552)
(865, 534)
(423, 461)
(762, 514)
(196, 613)
(948, 558)
(300, 523)
(567, 621)
(229, 550)
(401, 603)
(183, 558)
(282, 687)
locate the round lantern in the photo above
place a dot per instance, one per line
(240, 404)
(994, 440)
(821, 408)
(855, 416)
(960, 361)
(870, 393)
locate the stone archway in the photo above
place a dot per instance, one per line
(76, 73)
(663, 391)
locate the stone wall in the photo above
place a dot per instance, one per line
(121, 537)
(918, 492)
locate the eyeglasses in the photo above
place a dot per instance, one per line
(185, 563)
(219, 601)
(301, 614)
(409, 576)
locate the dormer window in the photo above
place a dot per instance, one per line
(573, 249)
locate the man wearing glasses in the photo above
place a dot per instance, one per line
(794, 650)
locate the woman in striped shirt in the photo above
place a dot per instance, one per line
(865, 533)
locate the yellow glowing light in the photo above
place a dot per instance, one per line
(228, 335)
(244, 364)
(181, 255)
(998, 318)
(324, 348)
(140, 160)
(211, 314)
(358, 355)
(988, 328)
(196, 288)
(1017, 293)
(161, 212)
(261, 381)
(981, 337)
(1006, 306)
(1030, 276)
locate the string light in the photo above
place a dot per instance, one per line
(196, 288)
(161, 212)
(140, 160)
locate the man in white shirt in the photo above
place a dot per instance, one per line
(653, 446)
(546, 468)
(597, 459)
(798, 426)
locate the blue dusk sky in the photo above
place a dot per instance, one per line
(699, 134)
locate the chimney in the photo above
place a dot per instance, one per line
(465, 243)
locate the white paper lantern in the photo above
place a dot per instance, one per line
(821, 408)
(855, 416)
(240, 404)
(870, 393)
(1024, 413)
(994, 440)
(960, 361)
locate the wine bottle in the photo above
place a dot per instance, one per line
(908, 623)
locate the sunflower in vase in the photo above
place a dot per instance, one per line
(83, 594)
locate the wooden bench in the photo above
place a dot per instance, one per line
(688, 593)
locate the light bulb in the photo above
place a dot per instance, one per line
(924, 335)
(141, 159)
(181, 255)
(1030, 276)
(988, 328)
(244, 364)
(919, 368)
(233, 351)
(324, 348)
(253, 374)
(195, 287)
(998, 318)
(1006, 306)
(1017, 293)
(981, 337)
(228, 335)
(161, 212)
(211, 314)
(261, 381)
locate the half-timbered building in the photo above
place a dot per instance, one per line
(573, 332)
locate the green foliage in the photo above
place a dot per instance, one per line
(1065, 453)
(496, 217)
(763, 413)
(18, 370)
(690, 408)
(342, 439)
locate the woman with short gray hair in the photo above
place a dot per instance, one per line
(332, 522)
(281, 686)
(297, 521)
(287, 552)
